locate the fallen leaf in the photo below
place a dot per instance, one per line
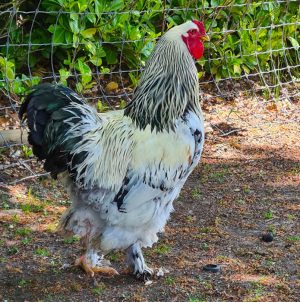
(272, 107)
(112, 86)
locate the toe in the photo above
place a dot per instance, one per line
(82, 262)
(91, 270)
(106, 270)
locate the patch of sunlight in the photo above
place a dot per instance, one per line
(261, 279)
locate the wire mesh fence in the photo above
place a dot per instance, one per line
(99, 49)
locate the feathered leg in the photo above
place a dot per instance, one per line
(92, 263)
(82, 222)
(136, 262)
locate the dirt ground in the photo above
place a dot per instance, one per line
(246, 186)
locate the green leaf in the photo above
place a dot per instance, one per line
(111, 55)
(91, 17)
(85, 71)
(79, 87)
(58, 34)
(68, 37)
(218, 76)
(91, 47)
(100, 52)
(18, 87)
(90, 85)
(61, 2)
(9, 73)
(73, 23)
(74, 16)
(134, 33)
(147, 49)
(116, 5)
(2, 62)
(200, 74)
(64, 74)
(101, 107)
(104, 70)
(294, 43)
(97, 61)
(35, 80)
(246, 69)
(75, 40)
(237, 69)
(82, 5)
(122, 104)
(99, 7)
(9, 64)
(133, 78)
(215, 3)
(89, 33)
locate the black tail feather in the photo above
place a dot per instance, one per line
(44, 111)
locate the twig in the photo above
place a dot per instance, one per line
(232, 131)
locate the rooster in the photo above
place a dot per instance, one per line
(123, 169)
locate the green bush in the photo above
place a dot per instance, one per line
(75, 38)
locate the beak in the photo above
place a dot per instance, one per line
(205, 38)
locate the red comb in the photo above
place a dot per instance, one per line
(200, 26)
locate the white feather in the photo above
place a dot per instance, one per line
(148, 159)
(125, 187)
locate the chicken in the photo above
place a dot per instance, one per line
(123, 169)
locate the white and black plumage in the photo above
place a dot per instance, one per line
(124, 168)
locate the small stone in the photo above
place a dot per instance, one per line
(65, 265)
(268, 237)
(161, 272)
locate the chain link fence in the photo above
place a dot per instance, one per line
(99, 49)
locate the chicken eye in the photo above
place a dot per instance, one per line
(193, 31)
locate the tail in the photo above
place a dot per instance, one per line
(45, 112)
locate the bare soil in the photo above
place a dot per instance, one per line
(247, 185)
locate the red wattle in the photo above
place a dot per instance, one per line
(195, 46)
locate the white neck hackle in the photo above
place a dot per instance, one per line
(169, 84)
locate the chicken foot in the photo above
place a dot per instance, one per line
(136, 262)
(92, 263)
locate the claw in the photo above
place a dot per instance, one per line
(91, 270)
(145, 275)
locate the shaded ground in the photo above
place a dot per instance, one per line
(247, 185)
